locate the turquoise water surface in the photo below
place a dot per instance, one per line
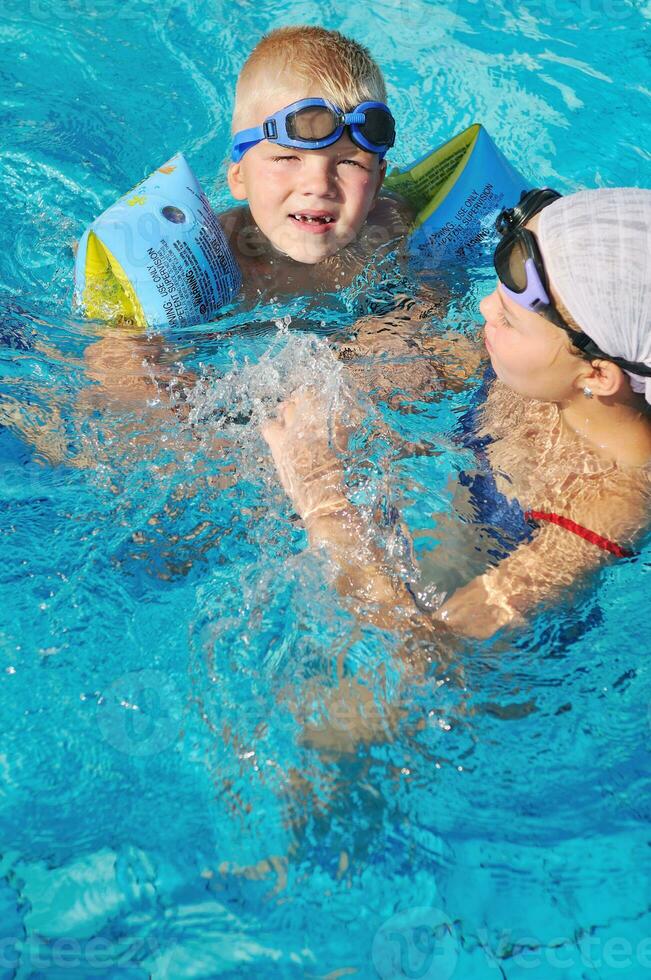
(166, 640)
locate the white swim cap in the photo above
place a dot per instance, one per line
(597, 251)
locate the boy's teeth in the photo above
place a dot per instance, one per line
(310, 218)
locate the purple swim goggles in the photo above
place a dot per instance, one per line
(518, 261)
(521, 271)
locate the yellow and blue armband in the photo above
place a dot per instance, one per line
(157, 256)
(456, 192)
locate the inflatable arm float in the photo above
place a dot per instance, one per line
(456, 192)
(157, 256)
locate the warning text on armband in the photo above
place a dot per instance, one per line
(179, 279)
(196, 277)
(464, 230)
(216, 253)
(165, 274)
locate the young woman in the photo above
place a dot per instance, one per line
(568, 332)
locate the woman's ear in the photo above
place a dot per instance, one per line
(236, 182)
(603, 378)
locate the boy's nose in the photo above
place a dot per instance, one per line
(318, 177)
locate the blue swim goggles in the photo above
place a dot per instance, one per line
(311, 124)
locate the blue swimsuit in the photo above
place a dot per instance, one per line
(504, 518)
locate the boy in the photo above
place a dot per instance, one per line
(315, 216)
(312, 180)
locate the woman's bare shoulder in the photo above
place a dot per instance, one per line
(612, 500)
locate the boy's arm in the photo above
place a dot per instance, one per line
(124, 367)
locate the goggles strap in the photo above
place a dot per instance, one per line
(353, 118)
(245, 139)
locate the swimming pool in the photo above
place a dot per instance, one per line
(161, 813)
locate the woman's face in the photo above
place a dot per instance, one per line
(528, 353)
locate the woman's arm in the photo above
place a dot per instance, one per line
(537, 571)
(312, 476)
(615, 507)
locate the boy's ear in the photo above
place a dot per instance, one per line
(236, 182)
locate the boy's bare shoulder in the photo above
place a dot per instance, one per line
(235, 222)
(263, 268)
(392, 214)
(251, 249)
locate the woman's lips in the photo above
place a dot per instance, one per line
(314, 222)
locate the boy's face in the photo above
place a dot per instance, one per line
(308, 203)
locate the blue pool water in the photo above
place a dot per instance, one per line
(164, 636)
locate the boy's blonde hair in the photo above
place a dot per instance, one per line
(337, 67)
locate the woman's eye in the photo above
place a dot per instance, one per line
(286, 157)
(354, 163)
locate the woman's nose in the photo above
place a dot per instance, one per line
(489, 305)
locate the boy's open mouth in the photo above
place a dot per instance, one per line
(316, 221)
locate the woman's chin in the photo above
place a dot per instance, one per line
(494, 363)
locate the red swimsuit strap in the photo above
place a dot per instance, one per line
(605, 543)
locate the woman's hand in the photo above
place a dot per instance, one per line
(308, 468)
